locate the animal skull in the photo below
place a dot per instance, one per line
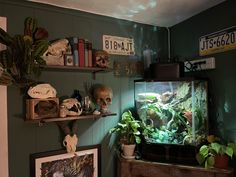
(70, 143)
(73, 106)
(103, 97)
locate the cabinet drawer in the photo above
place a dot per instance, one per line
(149, 170)
(181, 172)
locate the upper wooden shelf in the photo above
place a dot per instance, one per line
(58, 119)
(81, 69)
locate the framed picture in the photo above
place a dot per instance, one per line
(68, 60)
(85, 162)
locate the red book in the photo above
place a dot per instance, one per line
(90, 57)
(81, 50)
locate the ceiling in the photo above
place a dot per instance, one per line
(164, 13)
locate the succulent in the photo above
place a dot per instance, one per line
(22, 56)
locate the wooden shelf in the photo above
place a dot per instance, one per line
(92, 70)
(58, 119)
(81, 69)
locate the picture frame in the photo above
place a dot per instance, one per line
(68, 60)
(84, 162)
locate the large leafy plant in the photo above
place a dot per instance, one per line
(22, 56)
(207, 152)
(128, 129)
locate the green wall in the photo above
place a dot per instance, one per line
(26, 138)
(222, 85)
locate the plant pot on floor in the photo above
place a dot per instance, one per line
(221, 161)
(128, 150)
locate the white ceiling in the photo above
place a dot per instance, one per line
(164, 13)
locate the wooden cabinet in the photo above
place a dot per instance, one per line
(140, 168)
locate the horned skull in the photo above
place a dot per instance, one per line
(103, 97)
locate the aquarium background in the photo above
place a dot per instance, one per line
(172, 112)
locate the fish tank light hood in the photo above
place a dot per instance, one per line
(174, 112)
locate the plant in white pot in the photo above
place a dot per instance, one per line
(128, 133)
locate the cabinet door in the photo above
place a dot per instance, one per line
(149, 170)
(181, 172)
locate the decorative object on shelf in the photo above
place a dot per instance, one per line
(42, 108)
(73, 107)
(100, 59)
(68, 60)
(102, 96)
(84, 162)
(42, 91)
(215, 149)
(56, 51)
(23, 55)
(77, 95)
(128, 133)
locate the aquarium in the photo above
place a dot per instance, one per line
(172, 112)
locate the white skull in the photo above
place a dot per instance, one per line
(73, 106)
(103, 97)
(70, 143)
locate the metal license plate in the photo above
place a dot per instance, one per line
(118, 45)
(218, 42)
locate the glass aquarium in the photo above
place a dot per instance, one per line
(172, 112)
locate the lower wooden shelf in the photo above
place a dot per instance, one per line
(58, 119)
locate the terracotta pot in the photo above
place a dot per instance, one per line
(128, 149)
(221, 161)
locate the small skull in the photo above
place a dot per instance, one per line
(72, 106)
(101, 59)
(103, 97)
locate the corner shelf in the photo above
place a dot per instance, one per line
(58, 119)
(93, 70)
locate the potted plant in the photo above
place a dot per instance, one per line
(215, 153)
(22, 56)
(128, 133)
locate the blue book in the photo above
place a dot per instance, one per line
(73, 43)
(75, 51)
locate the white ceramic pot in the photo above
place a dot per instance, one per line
(128, 149)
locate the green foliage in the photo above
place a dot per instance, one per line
(206, 153)
(128, 129)
(22, 56)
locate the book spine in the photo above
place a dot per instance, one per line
(81, 49)
(90, 55)
(86, 59)
(75, 51)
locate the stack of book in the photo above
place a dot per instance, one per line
(81, 53)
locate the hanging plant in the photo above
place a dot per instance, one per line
(22, 57)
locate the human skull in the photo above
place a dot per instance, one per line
(73, 106)
(103, 97)
(101, 59)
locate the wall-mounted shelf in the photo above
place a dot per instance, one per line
(93, 70)
(58, 119)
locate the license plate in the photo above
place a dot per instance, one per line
(218, 42)
(118, 45)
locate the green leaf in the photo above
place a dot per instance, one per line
(229, 151)
(210, 162)
(200, 158)
(204, 150)
(216, 147)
